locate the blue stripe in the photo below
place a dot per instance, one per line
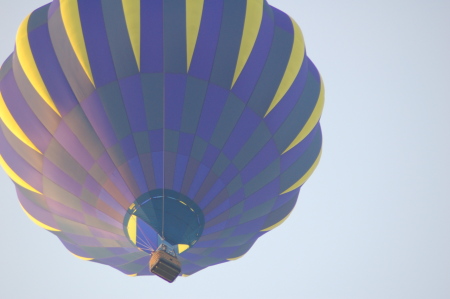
(97, 45)
(229, 42)
(205, 49)
(50, 70)
(175, 36)
(152, 36)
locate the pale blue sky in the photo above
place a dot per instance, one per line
(373, 222)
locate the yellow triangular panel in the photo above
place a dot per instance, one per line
(194, 11)
(132, 11)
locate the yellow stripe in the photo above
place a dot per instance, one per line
(18, 180)
(312, 121)
(132, 11)
(182, 248)
(194, 11)
(305, 176)
(11, 124)
(26, 60)
(235, 258)
(253, 18)
(276, 224)
(185, 275)
(132, 275)
(132, 228)
(71, 19)
(82, 258)
(293, 67)
(38, 223)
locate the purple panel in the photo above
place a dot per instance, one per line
(22, 113)
(84, 240)
(200, 176)
(237, 197)
(214, 228)
(185, 143)
(36, 211)
(217, 211)
(133, 99)
(60, 178)
(210, 156)
(97, 45)
(107, 219)
(191, 268)
(51, 71)
(175, 87)
(113, 261)
(260, 162)
(249, 76)
(128, 177)
(312, 69)
(213, 192)
(224, 252)
(294, 154)
(215, 100)
(74, 248)
(114, 175)
(110, 201)
(208, 36)
(54, 6)
(73, 146)
(170, 160)
(99, 233)
(282, 20)
(152, 36)
(191, 171)
(229, 174)
(94, 111)
(66, 212)
(157, 159)
(146, 160)
(87, 208)
(91, 185)
(128, 147)
(121, 250)
(191, 257)
(264, 194)
(118, 181)
(24, 170)
(220, 198)
(245, 127)
(250, 227)
(180, 169)
(284, 198)
(282, 110)
(106, 163)
(136, 169)
(156, 140)
(232, 222)
(144, 262)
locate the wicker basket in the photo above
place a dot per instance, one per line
(164, 265)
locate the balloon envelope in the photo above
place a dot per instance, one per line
(125, 121)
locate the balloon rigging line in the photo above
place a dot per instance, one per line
(146, 241)
(164, 143)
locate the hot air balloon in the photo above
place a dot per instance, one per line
(155, 136)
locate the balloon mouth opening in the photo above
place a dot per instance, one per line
(164, 214)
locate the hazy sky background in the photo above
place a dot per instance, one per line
(374, 219)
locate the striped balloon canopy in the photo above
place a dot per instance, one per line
(127, 122)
